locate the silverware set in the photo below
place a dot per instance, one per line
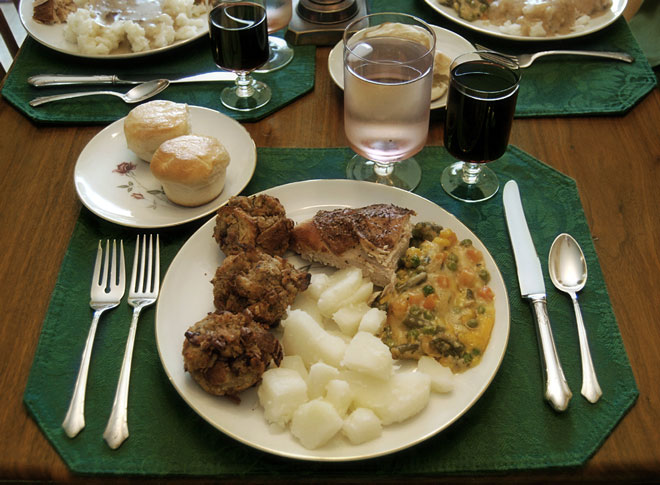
(107, 291)
(568, 273)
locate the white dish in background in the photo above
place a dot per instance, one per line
(594, 25)
(52, 36)
(186, 297)
(134, 197)
(449, 43)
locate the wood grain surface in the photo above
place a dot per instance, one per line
(615, 160)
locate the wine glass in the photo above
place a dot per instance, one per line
(481, 101)
(239, 40)
(279, 14)
(388, 74)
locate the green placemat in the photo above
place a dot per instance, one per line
(287, 84)
(511, 427)
(561, 86)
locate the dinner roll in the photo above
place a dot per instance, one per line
(191, 168)
(150, 124)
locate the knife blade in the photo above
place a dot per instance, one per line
(41, 80)
(532, 288)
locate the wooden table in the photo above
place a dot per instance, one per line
(615, 160)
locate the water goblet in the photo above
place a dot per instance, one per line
(481, 101)
(388, 74)
(279, 14)
(239, 40)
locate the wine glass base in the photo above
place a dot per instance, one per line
(280, 55)
(260, 95)
(485, 187)
(405, 174)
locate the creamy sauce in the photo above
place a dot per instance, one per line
(139, 11)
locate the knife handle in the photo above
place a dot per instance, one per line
(557, 392)
(59, 79)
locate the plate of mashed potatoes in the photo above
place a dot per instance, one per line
(114, 29)
(531, 20)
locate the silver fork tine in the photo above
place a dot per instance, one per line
(106, 291)
(145, 282)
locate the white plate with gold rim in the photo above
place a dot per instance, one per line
(116, 185)
(449, 43)
(187, 296)
(52, 36)
(593, 25)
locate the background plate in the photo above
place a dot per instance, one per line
(594, 25)
(447, 42)
(133, 198)
(186, 297)
(52, 36)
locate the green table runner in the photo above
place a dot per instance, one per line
(287, 84)
(510, 428)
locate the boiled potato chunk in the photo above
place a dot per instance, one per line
(372, 321)
(281, 392)
(367, 354)
(315, 423)
(402, 396)
(294, 362)
(320, 374)
(343, 285)
(348, 318)
(305, 337)
(338, 393)
(317, 285)
(442, 378)
(362, 425)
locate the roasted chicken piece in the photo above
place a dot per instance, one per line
(372, 238)
(257, 222)
(226, 353)
(263, 284)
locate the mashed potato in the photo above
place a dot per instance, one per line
(97, 29)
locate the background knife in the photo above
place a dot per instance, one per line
(41, 80)
(532, 287)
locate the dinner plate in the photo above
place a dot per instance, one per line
(187, 296)
(116, 185)
(447, 42)
(594, 25)
(52, 36)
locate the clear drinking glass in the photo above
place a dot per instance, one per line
(279, 15)
(388, 74)
(239, 40)
(481, 101)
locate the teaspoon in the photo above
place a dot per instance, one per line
(135, 95)
(568, 272)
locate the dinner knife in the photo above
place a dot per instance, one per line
(532, 287)
(66, 79)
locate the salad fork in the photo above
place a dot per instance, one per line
(145, 282)
(106, 292)
(526, 60)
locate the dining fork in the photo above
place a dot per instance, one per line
(143, 291)
(107, 290)
(526, 60)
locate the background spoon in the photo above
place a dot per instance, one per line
(135, 95)
(568, 272)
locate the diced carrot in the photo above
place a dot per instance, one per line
(442, 281)
(486, 293)
(416, 299)
(474, 255)
(430, 301)
(399, 307)
(466, 277)
(448, 234)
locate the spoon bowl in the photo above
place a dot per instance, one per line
(134, 95)
(568, 272)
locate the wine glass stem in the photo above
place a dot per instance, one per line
(383, 169)
(471, 172)
(244, 87)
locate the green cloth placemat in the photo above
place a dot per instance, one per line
(511, 427)
(645, 25)
(287, 84)
(562, 86)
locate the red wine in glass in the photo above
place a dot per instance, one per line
(481, 102)
(239, 42)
